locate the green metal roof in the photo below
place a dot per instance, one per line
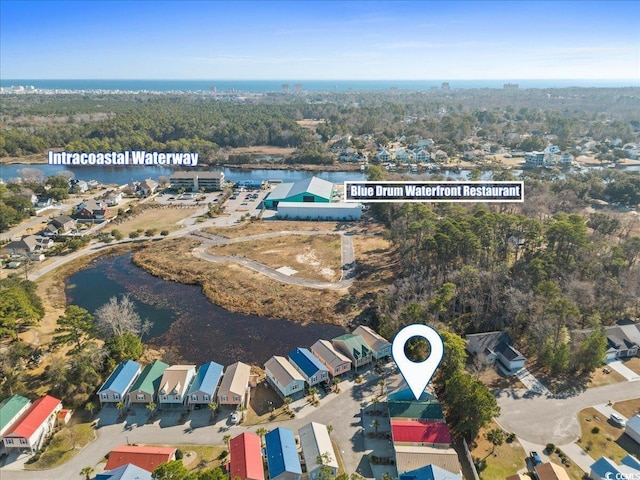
(355, 343)
(429, 410)
(10, 407)
(150, 377)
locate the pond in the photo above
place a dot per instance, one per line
(186, 320)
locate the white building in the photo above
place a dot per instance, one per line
(319, 211)
(316, 444)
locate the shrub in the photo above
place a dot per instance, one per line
(595, 430)
(179, 454)
(550, 447)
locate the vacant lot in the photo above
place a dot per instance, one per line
(154, 218)
(256, 228)
(237, 289)
(600, 378)
(64, 445)
(628, 408)
(317, 257)
(633, 364)
(600, 438)
(262, 150)
(506, 460)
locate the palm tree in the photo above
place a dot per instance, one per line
(242, 409)
(382, 383)
(261, 433)
(375, 401)
(213, 406)
(313, 391)
(226, 439)
(336, 381)
(329, 429)
(375, 424)
(151, 406)
(87, 471)
(496, 437)
(287, 402)
(89, 407)
(120, 407)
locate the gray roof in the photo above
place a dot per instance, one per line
(313, 185)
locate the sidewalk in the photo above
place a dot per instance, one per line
(578, 456)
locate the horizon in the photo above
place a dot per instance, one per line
(319, 40)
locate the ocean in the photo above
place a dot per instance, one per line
(261, 86)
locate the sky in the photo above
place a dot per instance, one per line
(320, 40)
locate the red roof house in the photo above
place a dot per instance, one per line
(420, 432)
(33, 427)
(246, 457)
(147, 458)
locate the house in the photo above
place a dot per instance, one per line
(551, 471)
(430, 472)
(34, 426)
(606, 469)
(78, 186)
(403, 156)
(11, 409)
(378, 345)
(125, 472)
(245, 451)
(93, 210)
(354, 347)
(633, 428)
(43, 202)
(115, 389)
(284, 378)
(420, 433)
(282, 455)
(535, 159)
(316, 443)
(145, 457)
(623, 339)
(409, 458)
(234, 385)
(28, 245)
(383, 155)
(112, 197)
(441, 156)
(58, 225)
(336, 363)
(567, 159)
(422, 155)
(174, 384)
(148, 187)
(495, 347)
(313, 371)
(310, 190)
(402, 404)
(194, 181)
(203, 388)
(63, 416)
(146, 385)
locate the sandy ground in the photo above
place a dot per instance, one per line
(262, 150)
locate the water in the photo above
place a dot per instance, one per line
(186, 320)
(124, 175)
(261, 86)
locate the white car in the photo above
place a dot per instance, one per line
(618, 420)
(235, 418)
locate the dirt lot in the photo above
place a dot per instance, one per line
(237, 289)
(316, 257)
(262, 150)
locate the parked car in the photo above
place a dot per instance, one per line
(235, 418)
(535, 459)
(618, 420)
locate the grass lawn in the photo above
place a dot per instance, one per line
(202, 457)
(158, 218)
(599, 378)
(633, 364)
(507, 459)
(256, 228)
(610, 441)
(315, 257)
(574, 471)
(64, 445)
(628, 408)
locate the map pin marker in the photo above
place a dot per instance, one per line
(417, 374)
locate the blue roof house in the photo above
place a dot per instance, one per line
(282, 455)
(119, 382)
(309, 366)
(125, 472)
(203, 388)
(430, 472)
(606, 469)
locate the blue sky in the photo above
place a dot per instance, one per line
(304, 40)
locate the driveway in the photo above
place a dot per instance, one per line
(623, 370)
(541, 419)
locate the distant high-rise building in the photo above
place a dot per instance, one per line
(445, 86)
(298, 87)
(285, 88)
(511, 86)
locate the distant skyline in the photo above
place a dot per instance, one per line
(323, 40)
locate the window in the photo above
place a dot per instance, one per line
(205, 398)
(140, 396)
(224, 398)
(236, 398)
(105, 396)
(9, 441)
(23, 441)
(308, 198)
(194, 398)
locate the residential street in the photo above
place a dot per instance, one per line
(541, 419)
(340, 410)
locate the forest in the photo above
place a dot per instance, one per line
(455, 120)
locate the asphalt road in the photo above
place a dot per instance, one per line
(541, 420)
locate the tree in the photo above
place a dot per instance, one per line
(329, 429)
(90, 407)
(151, 406)
(226, 439)
(261, 433)
(496, 437)
(335, 382)
(375, 424)
(173, 470)
(119, 316)
(593, 350)
(312, 394)
(213, 406)
(120, 406)
(381, 383)
(287, 402)
(75, 328)
(124, 347)
(87, 472)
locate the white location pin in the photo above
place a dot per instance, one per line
(417, 374)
